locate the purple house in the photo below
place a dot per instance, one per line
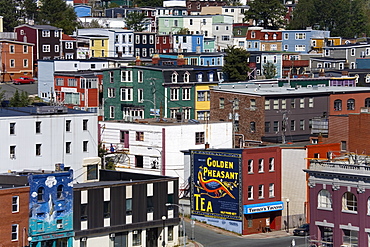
(339, 201)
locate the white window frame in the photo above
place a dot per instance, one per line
(261, 165)
(126, 76)
(186, 93)
(250, 192)
(271, 190)
(126, 93)
(174, 93)
(45, 33)
(45, 48)
(324, 199)
(15, 231)
(16, 204)
(111, 111)
(300, 36)
(261, 191)
(140, 95)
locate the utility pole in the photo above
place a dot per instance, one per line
(233, 122)
(154, 91)
(283, 127)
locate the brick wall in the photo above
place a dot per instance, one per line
(8, 218)
(359, 133)
(338, 129)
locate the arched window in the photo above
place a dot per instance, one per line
(368, 206)
(337, 105)
(60, 192)
(174, 77)
(186, 77)
(40, 194)
(324, 199)
(349, 202)
(367, 102)
(350, 104)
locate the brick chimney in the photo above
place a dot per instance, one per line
(155, 59)
(322, 73)
(138, 61)
(345, 73)
(180, 60)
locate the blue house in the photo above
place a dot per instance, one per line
(300, 40)
(198, 59)
(51, 209)
(188, 43)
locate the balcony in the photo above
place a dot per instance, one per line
(344, 167)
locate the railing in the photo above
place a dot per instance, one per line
(330, 166)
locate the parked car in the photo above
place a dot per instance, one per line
(303, 230)
(23, 80)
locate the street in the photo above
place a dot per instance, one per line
(210, 238)
(10, 88)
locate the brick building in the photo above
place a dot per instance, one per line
(14, 208)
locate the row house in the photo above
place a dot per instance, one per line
(119, 42)
(79, 90)
(188, 43)
(69, 47)
(259, 39)
(16, 60)
(171, 11)
(237, 12)
(300, 40)
(195, 7)
(163, 44)
(209, 59)
(46, 39)
(139, 92)
(144, 44)
(239, 35)
(278, 114)
(259, 59)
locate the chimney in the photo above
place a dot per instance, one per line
(138, 61)
(180, 60)
(345, 73)
(322, 73)
(206, 146)
(155, 59)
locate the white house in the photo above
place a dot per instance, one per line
(38, 138)
(154, 147)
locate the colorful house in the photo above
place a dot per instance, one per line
(300, 40)
(51, 209)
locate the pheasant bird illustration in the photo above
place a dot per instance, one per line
(213, 186)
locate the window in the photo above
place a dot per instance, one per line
(271, 190)
(343, 145)
(45, 33)
(310, 102)
(286, 47)
(292, 103)
(140, 76)
(40, 194)
(260, 190)
(349, 202)
(12, 63)
(140, 95)
(83, 212)
(25, 63)
(174, 77)
(68, 125)
(68, 147)
(149, 204)
(267, 127)
(85, 145)
(252, 127)
(353, 52)
(301, 124)
(14, 232)
(292, 125)
(300, 48)
(56, 48)
(136, 237)
(276, 104)
(12, 128)
(367, 102)
(59, 81)
(126, 76)
(350, 238)
(250, 166)
(276, 126)
(126, 94)
(286, 36)
(199, 138)
(301, 103)
(15, 204)
(271, 164)
(186, 93)
(111, 111)
(11, 49)
(106, 209)
(235, 103)
(350, 104)
(267, 104)
(12, 152)
(46, 48)
(139, 136)
(186, 77)
(174, 93)
(25, 49)
(129, 206)
(72, 82)
(84, 124)
(324, 199)
(337, 105)
(225, 37)
(300, 36)
(260, 165)
(222, 103)
(250, 192)
(253, 35)
(111, 92)
(38, 149)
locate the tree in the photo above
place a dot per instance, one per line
(29, 10)
(10, 14)
(57, 13)
(267, 13)
(19, 99)
(136, 21)
(151, 3)
(236, 66)
(183, 31)
(269, 70)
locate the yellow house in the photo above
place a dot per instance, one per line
(202, 100)
(99, 46)
(317, 44)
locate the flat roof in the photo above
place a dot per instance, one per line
(32, 111)
(166, 121)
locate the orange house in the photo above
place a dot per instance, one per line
(16, 60)
(349, 102)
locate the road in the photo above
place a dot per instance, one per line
(210, 238)
(10, 88)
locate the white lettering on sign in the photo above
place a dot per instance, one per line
(265, 208)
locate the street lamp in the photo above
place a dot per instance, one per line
(287, 214)
(183, 219)
(163, 235)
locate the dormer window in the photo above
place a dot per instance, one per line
(210, 75)
(200, 77)
(274, 36)
(174, 77)
(266, 36)
(186, 77)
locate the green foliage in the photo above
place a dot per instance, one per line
(136, 21)
(10, 14)
(345, 18)
(151, 3)
(92, 24)
(2, 94)
(28, 10)
(267, 13)
(65, 16)
(269, 70)
(113, 5)
(183, 31)
(236, 66)
(19, 99)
